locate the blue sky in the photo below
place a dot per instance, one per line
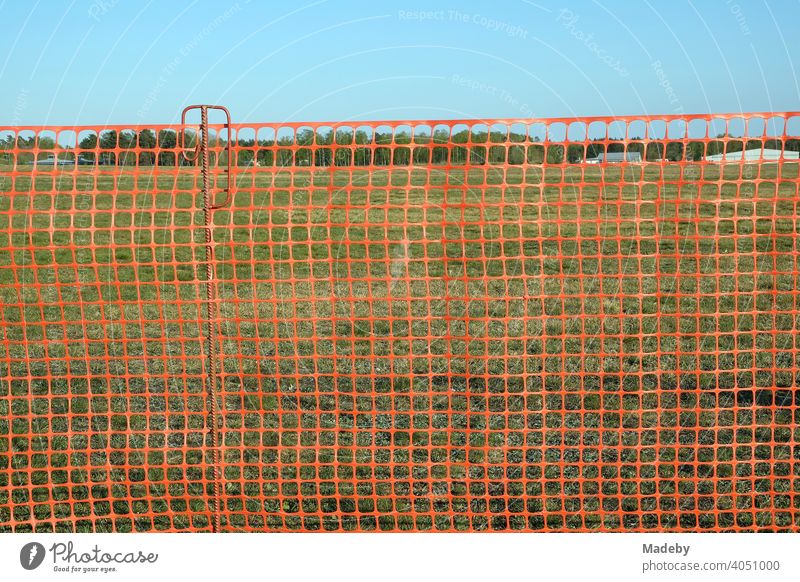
(125, 61)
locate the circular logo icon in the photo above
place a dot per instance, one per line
(31, 555)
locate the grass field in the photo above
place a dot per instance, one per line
(403, 348)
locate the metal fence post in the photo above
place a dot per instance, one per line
(201, 151)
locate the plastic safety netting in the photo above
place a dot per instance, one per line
(555, 325)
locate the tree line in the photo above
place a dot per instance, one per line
(362, 148)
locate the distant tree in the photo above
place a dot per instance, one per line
(403, 138)
(536, 154)
(108, 141)
(439, 155)
(461, 136)
(595, 148)
(382, 157)
(147, 140)
(363, 155)
(343, 157)
(477, 155)
(422, 155)
(714, 148)
(89, 142)
(362, 147)
(46, 143)
(362, 137)
(497, 154)
(127, 141)
(574, 153)
(167, 140)
(441, 136)
(305, 137)
(323, 157)
(674, 151)
(265, 157)
(26, 142)
(555, 154)
(636, 148)
(516, 154)
(344, 137)
(7, 143)
(245, 155)
(517, 137)
(695, 151)
(734, 145)
(458, 155)
(401, 156)
(654, 151)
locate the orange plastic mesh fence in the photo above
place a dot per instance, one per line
(550, 325)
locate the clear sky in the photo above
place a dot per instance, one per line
(142, 61)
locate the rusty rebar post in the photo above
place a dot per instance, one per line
(211, 315)
(201, 154)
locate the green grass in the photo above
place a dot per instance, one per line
(403, 348)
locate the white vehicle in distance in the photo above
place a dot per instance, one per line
(51, 160)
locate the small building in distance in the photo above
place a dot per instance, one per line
(753, 155)
(616, 158)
